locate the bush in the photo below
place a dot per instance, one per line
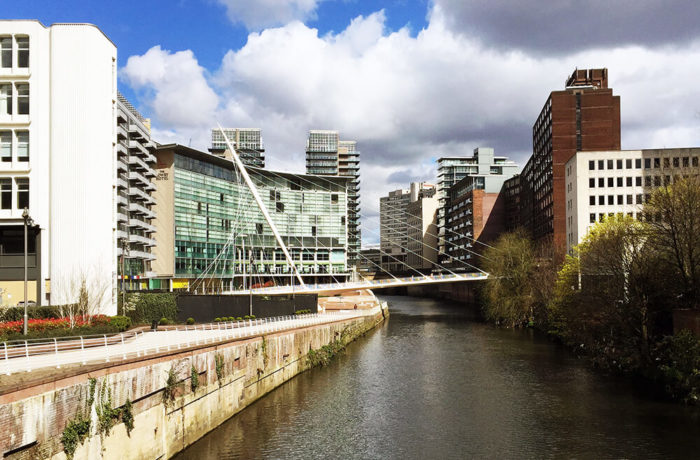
(677, 360)
(121, 323)
(302, 312)
(252, 316)
(217, 320)
(190, 321)
(146, 307)
(247, 317)
(164, 321)
(239, 318)
(17, 313)
(232, 318)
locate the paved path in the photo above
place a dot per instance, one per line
(21, 357)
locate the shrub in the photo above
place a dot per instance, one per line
(164, 321)
(217, 320)
(232, 318)
(252, 316)
(169, 390)
(190, 321)
(239, 318)
(302, 312)
(678, 366)
(219, 361)
(247, 317)
(17, 313)
(121, 323)
(194, 378)
(74, 434)
(150, 306)
(128, 417)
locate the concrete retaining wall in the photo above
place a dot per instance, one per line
(31, 425)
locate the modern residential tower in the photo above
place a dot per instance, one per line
(248, 143)
(327, 155)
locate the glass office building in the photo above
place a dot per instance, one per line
(209, 216)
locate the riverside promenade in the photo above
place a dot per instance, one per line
(174, 385)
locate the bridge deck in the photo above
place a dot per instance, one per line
(337, 288)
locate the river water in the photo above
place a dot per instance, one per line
(434, 383)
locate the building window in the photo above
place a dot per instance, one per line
(6, 146)
(601, 182)
(279, 206)
(676, 162)
(667, 162)
(638, 163)
(591, 182)
(639, 198)
(619, 199)
(22, 52)
(657, 163)
(629, 182)
(647, 163)
(23, 146)
(591, 165)
(313, 230)
(22, 193)
(591, 200)
(695, 162)
(259, 228)
(601, 200)
(686, 162)
(23, 99)
(619, 181)
(638, 181)
(611, 182)
(629, 199)
(619, 164)
(601, 164)
(592, 218)
(6, 52)
(611, 199)
(610, 164)
(628, 163)
(6, 99)
(5, 193)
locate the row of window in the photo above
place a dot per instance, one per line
(9, 93)
(618, 199)
(6, 51)
(616, 181)
(649, 163)
(603, 215)
(17, 141)
(22, 193)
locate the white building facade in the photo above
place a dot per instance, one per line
(58, 102)
(605, 183)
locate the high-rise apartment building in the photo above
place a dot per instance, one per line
(135, 174)
(248, 143)
(421, 223)
(327, 155)
(58, 159)
(451, 170)
(585, 116)
(397, 227)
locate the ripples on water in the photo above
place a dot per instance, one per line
(434, 383)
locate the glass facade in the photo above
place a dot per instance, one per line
(216, 215)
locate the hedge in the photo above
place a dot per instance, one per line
(143, 308)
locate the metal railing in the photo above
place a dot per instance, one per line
(31, 354)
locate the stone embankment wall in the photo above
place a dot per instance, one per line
(168, 413)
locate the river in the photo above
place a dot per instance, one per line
(434, 383)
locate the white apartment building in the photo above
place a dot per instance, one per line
(421, 220)
(600, 184)
(58, 106)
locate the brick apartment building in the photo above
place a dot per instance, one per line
(585, 116)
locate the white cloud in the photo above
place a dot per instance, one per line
(405, 99)
(258, 14)
(173, 86)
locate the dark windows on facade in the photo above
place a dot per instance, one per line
(5, 193)
(22, 98)
(5, 52)
(22, 52)
(22, 193)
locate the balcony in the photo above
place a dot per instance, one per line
(137, 208)
(138, 130)
(142, 240)
(138, 163)
(122, 132)
(122, 235)
(137, 148)
(142, 225)
(121, 166)
(133, 254)
(138, 194)
(140, 178)
(122, 217)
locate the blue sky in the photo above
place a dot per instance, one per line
(409, 80)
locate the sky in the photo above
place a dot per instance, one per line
(409, 80)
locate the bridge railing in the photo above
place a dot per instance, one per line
(28, 355)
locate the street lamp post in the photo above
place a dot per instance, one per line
(27, 221)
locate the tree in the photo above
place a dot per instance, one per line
(611, 294)
(673, 215)
(509, 297)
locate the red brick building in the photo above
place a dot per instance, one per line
(585, 116)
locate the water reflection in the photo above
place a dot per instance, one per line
(434, 383)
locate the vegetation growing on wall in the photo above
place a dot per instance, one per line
(219, 363)
(194, 378)
(169, 389)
